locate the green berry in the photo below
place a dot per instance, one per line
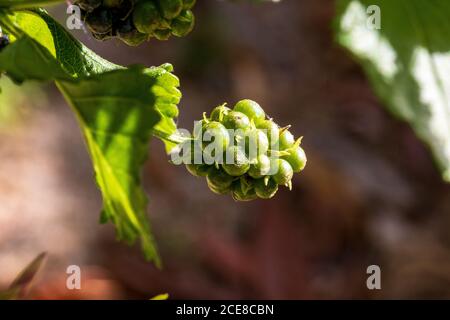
(296, 158)
(215, 135)
(256, 143)
(239, 194)
(271, 129)
(129, 35)
(219, 179)
(264, 191)
(219, 112)
(236, 162)
(251, 109)
(183, 24)
(260, 168)
(188, 4)
(170, 8)
(286, 140)
(146, 17)
(198, 170)
(216, 190)
(162, 34)
(236, 120)
(282, 171)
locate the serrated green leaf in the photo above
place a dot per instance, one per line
(407, 62)
(116, 113)
(118, 110)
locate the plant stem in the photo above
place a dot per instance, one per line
(174, 138)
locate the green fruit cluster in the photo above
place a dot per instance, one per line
(263, 155)
(135, 21)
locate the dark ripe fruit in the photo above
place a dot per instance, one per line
(264, 191)
(4, 41)
(251, 109)
(183, 24)
(239, 195)
(198, 170)
(146, 17)
(286, 140)
(170, 8)
(163, 34)
(215, 135)
(283, 171)
(112, 3)
(100, 21)
(123, 11)
(88, 5)
(219, 112)
(296, 158)
(271, 129)
(129, 35)
(236, 120)
(219, 179)
(188, 4)
(260, 168)
(256, 143)
(236, 162)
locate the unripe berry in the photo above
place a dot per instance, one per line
(239, 195)
(251, 109)
(286, 140)
(170, 8)
(163, 34)
(238, 164)
(271, 129)
(217, 190)
(236, 120)
(219, 112)
(129, 35)
(264, 191)
(296, 158)
(219, 179)
(215, 135)
(146, 17)
(283, 171)
(256, 143)
(260, 168)
(183, 24)
(198, 170)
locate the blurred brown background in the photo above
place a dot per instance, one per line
(370, 193)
